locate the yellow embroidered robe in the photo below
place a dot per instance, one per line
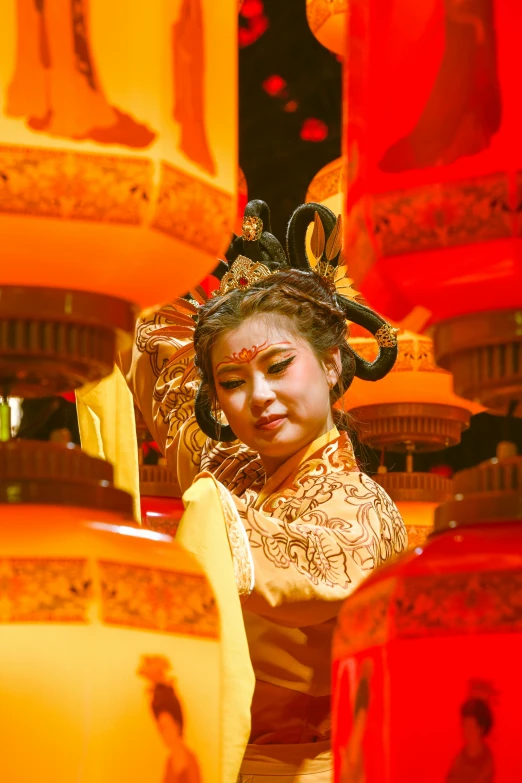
(315, 529)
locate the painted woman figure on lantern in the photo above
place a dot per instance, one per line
(55, 86)
(475, 762)
(182, 765)
(240, 388)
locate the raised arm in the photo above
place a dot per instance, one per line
(161, 377)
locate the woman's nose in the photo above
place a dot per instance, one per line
(261, 392)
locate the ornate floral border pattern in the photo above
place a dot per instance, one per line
(364, 623)
(193, 211)
(41, 590)
(74, 185)
(239, 544)
(431, 605)
(442, 215)
(158, 600)
(459, 603)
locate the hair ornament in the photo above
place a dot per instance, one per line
(386, 336)
(327, 261)
(252, 228)
(242, 274)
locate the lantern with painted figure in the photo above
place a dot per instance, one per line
(426, 654)
(118, 166)
(117, 189)
(105, 630)
(433, 181)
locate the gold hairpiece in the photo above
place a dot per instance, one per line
(386, 336)
(252, 228)
(242, 274)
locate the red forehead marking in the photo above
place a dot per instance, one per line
(246, 355)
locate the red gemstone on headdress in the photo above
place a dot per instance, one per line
(243, 281)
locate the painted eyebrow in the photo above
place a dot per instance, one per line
(267, 353)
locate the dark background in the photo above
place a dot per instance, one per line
(279, 54)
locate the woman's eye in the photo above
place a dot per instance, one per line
(230, 384)
(274, 369)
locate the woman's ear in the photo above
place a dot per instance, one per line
(333, 367)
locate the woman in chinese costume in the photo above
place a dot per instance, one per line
(241, 389)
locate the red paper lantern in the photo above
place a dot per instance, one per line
(434, 177)
(160, 499)
(427, 651)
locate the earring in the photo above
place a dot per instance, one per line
(217, 417)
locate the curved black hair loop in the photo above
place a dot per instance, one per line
(207, 423)
(266, 249)
(353, 310)
(296, 233)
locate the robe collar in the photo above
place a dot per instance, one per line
(290, 466)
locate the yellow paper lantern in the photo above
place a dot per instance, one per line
(414, 407)
(328, 20)
(109, 633)
(118, 150)
(327, 187)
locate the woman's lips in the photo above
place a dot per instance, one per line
(270, 424)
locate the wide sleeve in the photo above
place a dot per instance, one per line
(159, 372)
(311, 551)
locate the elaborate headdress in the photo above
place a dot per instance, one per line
(257, 254)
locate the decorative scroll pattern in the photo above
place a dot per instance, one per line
(438, 215)
(193, 211)
(457, 603)
(239, 544)
(34, 590)
(363, 621)
(158, 600)
(73, 185)
(431, 605)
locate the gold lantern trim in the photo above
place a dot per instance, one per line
(159, 481)
(432, 418)
(415, 487)
(489, 492)
(417, 495)
(54, 340)
(407, 426)
(483, 351)
(51, 473)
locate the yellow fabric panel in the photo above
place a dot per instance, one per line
(108, 430)
(203, 532)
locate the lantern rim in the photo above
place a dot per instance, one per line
(411, 426)
(54, 340)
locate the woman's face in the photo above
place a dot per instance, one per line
(271, 387)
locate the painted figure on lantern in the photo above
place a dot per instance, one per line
(240, 389)
(182, 765)
(463, 109)
(352, 763)
(55, 86)
(189, 79)
(475, 762)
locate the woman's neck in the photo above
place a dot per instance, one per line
(272, 464)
